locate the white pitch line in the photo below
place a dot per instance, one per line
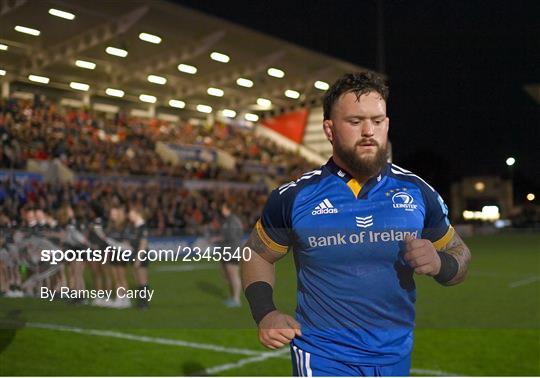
(523, 282)
(435, 373)
(145, 339)
(246, 361)
(256, 356)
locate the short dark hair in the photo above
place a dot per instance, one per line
(358, 82)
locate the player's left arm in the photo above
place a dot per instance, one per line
(457, 249)
(439, 252)
(447, 264)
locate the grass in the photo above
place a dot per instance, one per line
(490, 325)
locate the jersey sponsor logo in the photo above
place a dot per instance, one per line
(364, 222)
(325, 207)
(403, 200)
(359, 238)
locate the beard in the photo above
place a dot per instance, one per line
(362, 165)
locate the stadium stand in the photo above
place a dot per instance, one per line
(85, 132)
(86, 142)
(116, 164)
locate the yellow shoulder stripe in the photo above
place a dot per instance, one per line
(268, 241)
(355, 186)
(439, 244)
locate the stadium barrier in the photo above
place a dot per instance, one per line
(53, 170)
(176, 153)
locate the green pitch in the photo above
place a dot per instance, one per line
(490, 325)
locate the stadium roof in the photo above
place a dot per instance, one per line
(187, 37)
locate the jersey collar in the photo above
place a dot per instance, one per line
(358, 190)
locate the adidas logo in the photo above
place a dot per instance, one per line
(325, 207)
(364, 222)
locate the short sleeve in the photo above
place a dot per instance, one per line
(274, 226)
(437, 227)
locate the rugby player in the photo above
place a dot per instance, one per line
(101, 275)
(138, 239)
(73, 239)
(116, 237)
(232, 231)
(4, 261)
(359, 229)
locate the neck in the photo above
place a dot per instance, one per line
(361, 179)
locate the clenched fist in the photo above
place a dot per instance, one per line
(421, 255)
(277, 329)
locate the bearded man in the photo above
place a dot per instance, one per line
(359, 228)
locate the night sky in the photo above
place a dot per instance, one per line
(456, 72)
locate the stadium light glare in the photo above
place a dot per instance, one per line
(244, 82)
(3, 47)
(251, 117)
(85, 64)
(151, 38)
(215, 92)
(275, 72)
(79, 86)
(479, 186)
(157, 79)
(204, 108)
(27, 30)
(322, 85)
(148, 98)
(467, 214)
(488, 213)
(531, 197)
(228, 113)
(510, 161)
(61, 14)
(491, 212)
(264, 102)
(39, 79)
(114, 92)
(116, 51)
(292, 94)
(186, 68)
(2, 72)
(177, 104)
(219, 57)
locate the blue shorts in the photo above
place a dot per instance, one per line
(305, 364)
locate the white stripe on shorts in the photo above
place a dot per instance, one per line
(308, 368)
(298, 368)
(301, 362)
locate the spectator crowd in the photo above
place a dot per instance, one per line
(91, 142)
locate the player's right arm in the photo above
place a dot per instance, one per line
(276, 329)
(269, 242)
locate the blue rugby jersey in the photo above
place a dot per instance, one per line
(355, 292)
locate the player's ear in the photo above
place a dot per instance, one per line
(327, 128)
